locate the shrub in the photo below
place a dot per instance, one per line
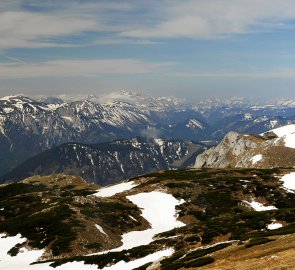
(199, 262)
(257, 241)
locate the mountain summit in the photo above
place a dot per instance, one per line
(275, 148)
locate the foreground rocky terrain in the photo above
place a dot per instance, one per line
(210, 218)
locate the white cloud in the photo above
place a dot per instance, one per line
(44, 24)
(48, 23)
(70, 68)
(28, 29)
(206, 19)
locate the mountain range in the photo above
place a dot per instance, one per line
(108, 163)
(30, 126)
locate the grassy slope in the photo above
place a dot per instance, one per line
(213, 213)
(275, 255)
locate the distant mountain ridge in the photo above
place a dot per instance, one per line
(109, 163)
(30, 126)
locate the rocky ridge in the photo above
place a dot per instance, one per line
(272, 149)
(108, 163)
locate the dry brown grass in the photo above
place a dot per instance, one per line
(276, 255)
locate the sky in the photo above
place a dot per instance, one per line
(193, 49)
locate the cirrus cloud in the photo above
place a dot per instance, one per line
(215, 18)
(78, 67)
(39, 24)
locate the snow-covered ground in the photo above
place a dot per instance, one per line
(256, 158)
(122, 265)
(289, 182)
(24, 259)
(112, 190)
(158, 208)
(259, 206)
(287, 133)
(274, 225)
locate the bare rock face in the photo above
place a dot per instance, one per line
(238, 150)
(231, 147)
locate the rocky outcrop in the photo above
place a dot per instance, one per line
(238, 150)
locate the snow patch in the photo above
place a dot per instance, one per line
(158, 209)
(248, 116)
(259, 206)
(256, 158)
(287, 133)
(23, 259)
(8, 110)
(68, 118)
(289, 182)
(100, 229)
(160, 142)
(193, 123)
(274, 226)
(112, 190)
(122, 265)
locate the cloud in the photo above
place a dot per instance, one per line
(214, 18)
(116, 96)
(28, 29)
(150, 133)
(122, 41)
(40, 24)
(77, 67)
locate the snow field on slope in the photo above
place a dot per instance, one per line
(288, 133)
(122, 265)
(256, 158)
(24, 259)
(158, 208)
(259, 206)
(112, 190)
(274, 226)
(289, 182)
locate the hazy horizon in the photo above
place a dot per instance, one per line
(188, 49)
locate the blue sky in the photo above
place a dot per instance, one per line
(188, 48)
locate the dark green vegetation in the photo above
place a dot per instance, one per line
(101, 163)
(111, 257)
(192, 259)
(257, 241)
(213, 211)
(56, 214)
(214, 198)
